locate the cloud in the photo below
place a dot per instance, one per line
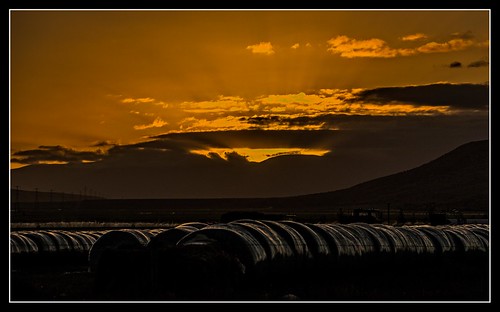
(451, 45)
(468, 35)
(338, 121)
(204, 124)
(329, 101)
(299, 98)
(484, 44)
(221, 104)
(103, 144)
(362, 129)
(413, 37)
(253, 139)
(475, 64)
(312, 112)
(459, 96)
(262, 48)
(378, 48)
(284, 153)
(134, 112)
(288, 122)
(157, 123)
(56, 154)
(165, 168)
(295, 46)
(144, 100)
(287, 111)
(480, 63)
(294, 111)
(138, 100)
(350, 48)
(235, 157)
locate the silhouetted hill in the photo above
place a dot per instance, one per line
(458, 179)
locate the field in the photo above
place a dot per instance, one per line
(450, 280)
(67, 277)
(110, 211)
(186, 277)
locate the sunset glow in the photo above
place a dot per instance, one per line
(90, 87)
(258, 155)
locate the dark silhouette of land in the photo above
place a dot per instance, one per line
(458, 181)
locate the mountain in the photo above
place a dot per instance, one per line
(458, 179)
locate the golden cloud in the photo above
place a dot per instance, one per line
(193, 124)
(413, 37)
(144, 100)
(351, 48)
(221, 104)
(138, 100)
(452, 45)
(299, 98)
(262, 48)
(157, 123)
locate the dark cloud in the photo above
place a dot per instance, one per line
(187, 140)
(283, 153)
(215, 156)
(467, 35)
(235, 157)
(462, 96)
(364, 147)
(260, 122)
(264, 120)
(174, 146)
(480, 63)
(455, 65)
(363, 130)
(55, 154)
(247, 138)
(103, 144)
(373, 146)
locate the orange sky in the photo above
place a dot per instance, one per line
(85, 80)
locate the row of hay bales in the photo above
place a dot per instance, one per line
(51, 249)
(198, 260)
(254, 242)
(223, 260)
(265, 240)
(52, 241)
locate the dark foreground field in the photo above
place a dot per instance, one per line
(461, 277)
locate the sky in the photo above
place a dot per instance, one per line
(240, 103)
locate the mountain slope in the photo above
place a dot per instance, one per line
(458, 179)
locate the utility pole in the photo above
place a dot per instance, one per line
(36, 197)
(17, 196)
(388, 213)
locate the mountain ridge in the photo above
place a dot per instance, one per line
(460, 177)
(456, 181)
